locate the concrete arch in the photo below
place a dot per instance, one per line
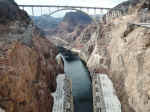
(60, 59)
(60, 56)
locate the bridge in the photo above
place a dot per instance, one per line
(107, 14)
(38, 10)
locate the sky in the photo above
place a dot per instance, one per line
(91, 3)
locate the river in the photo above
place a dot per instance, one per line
(81, 85)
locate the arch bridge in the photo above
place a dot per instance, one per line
(38, 10)
(107, 13)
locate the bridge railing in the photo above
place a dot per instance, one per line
(112, 14)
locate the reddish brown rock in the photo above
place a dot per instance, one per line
(69, 29)
(28, 68)
(85, 36)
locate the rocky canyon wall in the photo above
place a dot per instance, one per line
(122, 51)
(28, 68)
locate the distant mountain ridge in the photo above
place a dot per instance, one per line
(64, 30)
(73, 19)
(77, 17)
(46, 21)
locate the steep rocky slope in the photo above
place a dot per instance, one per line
(27, 63)
(72, 19)
(122, 51)
(85, 35)
(46, 21)
(85, 42)
(70, 28)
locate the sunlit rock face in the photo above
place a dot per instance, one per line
(85, 42)
(129, 54)
(27, 63)
(122, 51)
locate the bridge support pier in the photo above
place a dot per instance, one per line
(41, 11)
(95, 11)
(32, 11)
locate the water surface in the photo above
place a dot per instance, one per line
(81, 85)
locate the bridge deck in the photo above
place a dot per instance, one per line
(64, 6)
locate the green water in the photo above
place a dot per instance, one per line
(81, 85)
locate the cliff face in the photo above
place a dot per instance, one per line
(129, 54)
(27, 63)
(69, 28)
(122, 51)
(85, 35)
(73, 19)
(86, 41)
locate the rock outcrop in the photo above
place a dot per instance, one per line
(72, 19)
(28, 68)
(86, 41)
(70, 28)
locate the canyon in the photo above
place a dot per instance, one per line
(117, 47)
